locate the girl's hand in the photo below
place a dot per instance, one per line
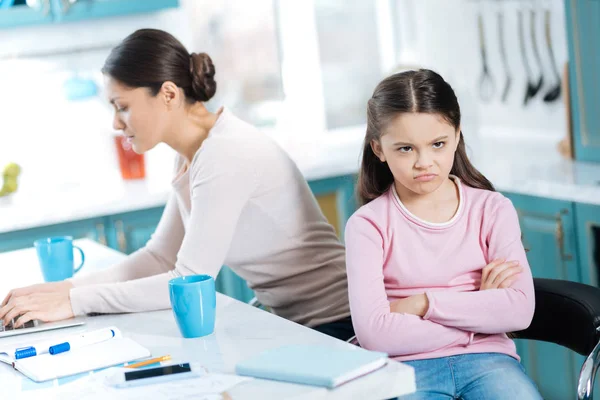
(499, 274)
(416, 305)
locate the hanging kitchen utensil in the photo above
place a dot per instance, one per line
(554, 93)
(486, 81)
(508, 80)
(536, 53)
(532, 87)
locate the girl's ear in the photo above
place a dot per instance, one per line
(376, 147)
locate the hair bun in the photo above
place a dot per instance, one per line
(202, 72)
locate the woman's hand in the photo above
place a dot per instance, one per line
(46, 302)
(416, 305)
(499, 274)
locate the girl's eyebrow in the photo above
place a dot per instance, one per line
(437, 139)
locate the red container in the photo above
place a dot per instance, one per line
(132, 165)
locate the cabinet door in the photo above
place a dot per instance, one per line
(232, 285)
(131, 231)
(549, 236)
(69, 10)
(336, 199)
(588, 235)
(21, 14)
(92, 229)
(548, 228)
(583, 37)
(588, 241)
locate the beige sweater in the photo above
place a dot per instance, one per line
(243, 203)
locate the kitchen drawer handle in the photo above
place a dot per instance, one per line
(46, 7)
(101, 234)
(559, 234)
(66, 5)
(121, 238)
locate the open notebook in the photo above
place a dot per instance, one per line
(312, 365)
(44, 367)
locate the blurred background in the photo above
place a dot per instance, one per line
(306, 66)
(525, 73)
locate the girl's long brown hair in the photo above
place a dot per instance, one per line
(422, 91)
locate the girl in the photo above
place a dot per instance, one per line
(237, 199)
(437, 273)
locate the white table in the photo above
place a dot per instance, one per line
(241, 331)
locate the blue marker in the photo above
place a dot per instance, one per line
(30, 351)
(85, 339)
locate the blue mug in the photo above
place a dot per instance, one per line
(55, 255)
(194, 302)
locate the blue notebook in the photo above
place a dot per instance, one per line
(312, 365)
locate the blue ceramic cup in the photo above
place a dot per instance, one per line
(55, 255)
(194, 302)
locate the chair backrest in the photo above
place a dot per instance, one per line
(566, 313)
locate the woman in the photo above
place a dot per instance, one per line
(237, 200)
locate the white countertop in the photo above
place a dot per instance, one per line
(241, 331)
(532, 167)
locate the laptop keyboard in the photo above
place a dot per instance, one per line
(10, 326)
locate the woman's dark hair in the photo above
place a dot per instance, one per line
(422, 91)
(150, 57)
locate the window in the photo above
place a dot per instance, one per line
(241, 38)
(349, 56)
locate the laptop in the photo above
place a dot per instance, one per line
(37, 326)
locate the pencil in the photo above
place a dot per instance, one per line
(148, 362)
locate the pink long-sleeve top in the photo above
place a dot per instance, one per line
(392, 254)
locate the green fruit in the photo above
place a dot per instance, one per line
(12, 170)
(10, 185)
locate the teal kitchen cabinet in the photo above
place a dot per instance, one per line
(548, 229)
(588, 240)
(21, 14)
(231, 284)
(94, 229)
(130, 231)
(336, 197)
(58, 11)
(69, 10)
(583, 39)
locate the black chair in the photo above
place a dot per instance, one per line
(568, 314)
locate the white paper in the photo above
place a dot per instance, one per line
(206, 387)
(88, 358)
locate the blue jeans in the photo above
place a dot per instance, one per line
(489, 376)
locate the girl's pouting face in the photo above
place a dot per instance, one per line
(419, 150)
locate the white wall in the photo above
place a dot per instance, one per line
(442, 35)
